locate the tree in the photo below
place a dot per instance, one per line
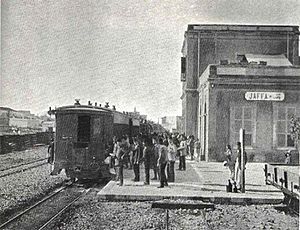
(295, 130)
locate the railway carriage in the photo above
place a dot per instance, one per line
(81, 138)
(125, 125)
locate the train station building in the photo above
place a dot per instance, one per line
(236, 77)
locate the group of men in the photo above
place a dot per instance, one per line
(156, 152)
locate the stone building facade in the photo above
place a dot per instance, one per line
(207, 46)
(258, 98)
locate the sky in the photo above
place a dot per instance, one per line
(126, 52)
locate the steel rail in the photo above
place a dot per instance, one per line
(62, 210)
(22, 164)
(33, 206)
(23, 170)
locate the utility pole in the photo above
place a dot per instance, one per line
(243, 160)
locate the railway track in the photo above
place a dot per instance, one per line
(40, 215)
(22, 167)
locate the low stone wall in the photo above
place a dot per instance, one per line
(9, 143)
(272, 156)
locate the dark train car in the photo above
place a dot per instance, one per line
(82, 133)
(146, 128)
(135, 127)
(125, 125)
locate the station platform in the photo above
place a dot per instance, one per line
(203, 181)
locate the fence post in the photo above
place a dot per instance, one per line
(242, 140)
(275, 175)
(266, 173)
(285, 177)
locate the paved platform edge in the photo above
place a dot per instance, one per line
(215, 200)
(219, 199)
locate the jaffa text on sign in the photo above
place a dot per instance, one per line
(264, 96)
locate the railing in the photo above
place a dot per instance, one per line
(287, 181)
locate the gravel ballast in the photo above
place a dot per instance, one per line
(18, 189)
(19, 157)
(89, 213)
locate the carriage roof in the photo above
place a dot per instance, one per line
(81, 109)
(90, 109)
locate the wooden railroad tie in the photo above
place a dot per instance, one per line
(180, 205)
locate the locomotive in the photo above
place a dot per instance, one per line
(81, 138)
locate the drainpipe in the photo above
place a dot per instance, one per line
(287, 45)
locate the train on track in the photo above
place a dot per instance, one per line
(83, 133)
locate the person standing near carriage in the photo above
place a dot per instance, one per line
(130, 155)
(162, 163)
(188, 145)
(176, 140)
(172, 151)
(51, 151)
(197, 149)
(136, 157)
(117, 143)
(148, 154)
(182, 153)
(230, 162)
(156, 147)
(191, 146)
(123, 152)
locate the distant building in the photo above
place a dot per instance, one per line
(13, 121)
(172, 123)
(240, 76)
(48, 124)
(137, 115)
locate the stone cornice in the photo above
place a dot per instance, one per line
(289, 83)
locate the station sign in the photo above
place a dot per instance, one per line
(264, 96)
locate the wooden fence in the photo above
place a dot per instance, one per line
(9, 143)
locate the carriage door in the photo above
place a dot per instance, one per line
(65, 135)
(81, 147)
(97, 143)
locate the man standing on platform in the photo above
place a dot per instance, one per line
(122, 154)
(136, 159)
(147, 156)
(162, 163)
(156, 148)
(182, 153)
(191, 146)
(117, 143)
(197, 149)
(172, 150)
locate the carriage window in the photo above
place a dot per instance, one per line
(84, 128)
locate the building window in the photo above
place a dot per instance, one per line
(84, 128)
(243, 119)
(284, 115)
(183, 68)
